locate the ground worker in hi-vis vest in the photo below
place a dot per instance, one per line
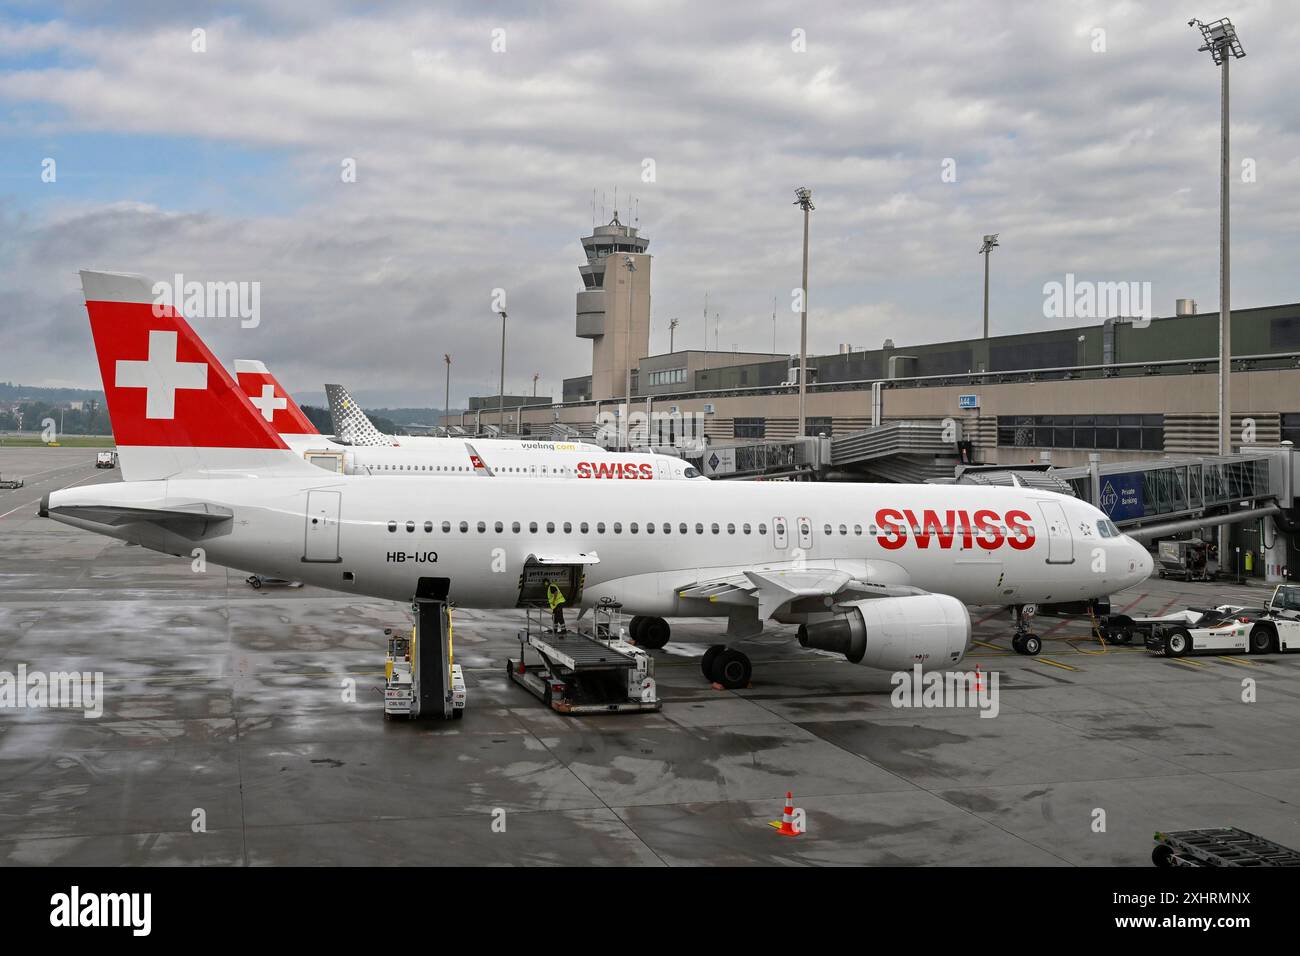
(555, 599)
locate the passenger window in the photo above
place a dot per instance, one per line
(446, 527)
(682, 528)
(872, 530)
(498, 527)
(826, 529)
(715, 528)
(632, 528)
(482, 527)
(843, 529)
(410, 527)
(600, 527)
(618, 527)
(464, 527)
(699, 528)
(731, 529)
(514, 526)
(392, 526)
(668, 528)
(762, 529)
(583, 527)
(428, 527)
(745, 528)
(857, 529)
(532, 527)
(550, 527)
(568, 528)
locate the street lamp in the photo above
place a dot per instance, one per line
(1222, 44)
(446, 395)
(672, 327)
(803, 199)
(501, 398)
(989, 243)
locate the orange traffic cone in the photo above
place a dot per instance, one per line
(786, 826)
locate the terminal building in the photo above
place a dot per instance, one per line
(1087, 400)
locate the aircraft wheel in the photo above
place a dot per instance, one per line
(1162, 855)
(1261, 639)
(1016, 644)
(1178, 642)
(732, 669)
(654, 633)
(1030, 645)
(706, 662)
(255, 582)
(635, 627)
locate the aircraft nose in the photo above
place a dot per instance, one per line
(1143, 562)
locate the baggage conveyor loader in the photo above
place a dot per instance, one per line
(421, 678)
(580, 672)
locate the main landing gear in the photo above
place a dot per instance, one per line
(726, 666)
(1024, 642)
(652, 633)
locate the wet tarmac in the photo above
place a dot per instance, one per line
(228, 707)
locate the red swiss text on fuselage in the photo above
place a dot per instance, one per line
(613, 469)
(953, 529)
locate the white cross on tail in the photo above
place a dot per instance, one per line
(267, 403)
(161, 375)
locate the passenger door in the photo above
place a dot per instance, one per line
(321, 542)
(1060, 543)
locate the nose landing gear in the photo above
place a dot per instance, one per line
(1023, 642)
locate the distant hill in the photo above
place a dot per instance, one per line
(9, 392)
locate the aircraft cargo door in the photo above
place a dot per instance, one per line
(1060, 544)
(322, 541)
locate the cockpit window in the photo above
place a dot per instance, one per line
(691, 472)
(1107, 529)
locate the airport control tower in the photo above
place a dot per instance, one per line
(618, 323)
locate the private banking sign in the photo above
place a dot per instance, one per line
(1121, 496)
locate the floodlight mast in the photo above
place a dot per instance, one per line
(989, 243)
(1222, 44)
(803, 199)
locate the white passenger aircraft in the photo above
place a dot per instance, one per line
(358, 448)
(881, 573)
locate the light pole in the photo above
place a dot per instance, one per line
(501, 398)
(985, 250)
(672, 327)
(536, 376)
(1222, 44)
(446, 395)
(627, 353)
(804, 201)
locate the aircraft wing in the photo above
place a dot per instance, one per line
(767, 592)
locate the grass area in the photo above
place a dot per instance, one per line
(65, 441)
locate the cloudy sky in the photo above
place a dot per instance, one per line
(1085, 133)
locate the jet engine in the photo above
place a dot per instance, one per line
(895, 633)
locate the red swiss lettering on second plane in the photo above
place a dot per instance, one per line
(613, 469)
(984, 529)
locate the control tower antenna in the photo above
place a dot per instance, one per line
(593, 207)
(706, 321)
